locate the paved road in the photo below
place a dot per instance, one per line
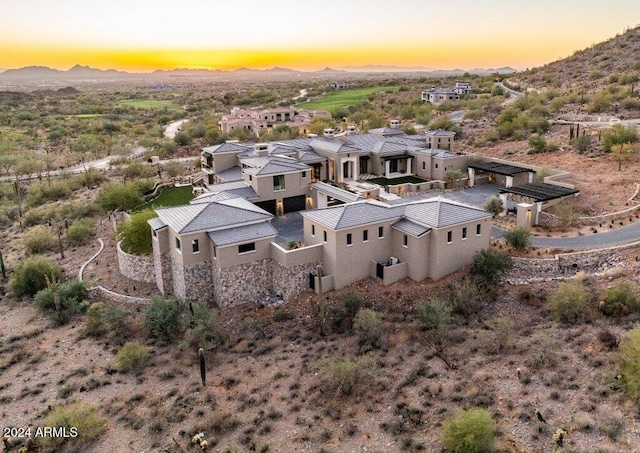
(456, 116)
(513, 93)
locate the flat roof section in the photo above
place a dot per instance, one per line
(539, 191)
(500, 169)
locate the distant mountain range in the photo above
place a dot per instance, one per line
(86, 72)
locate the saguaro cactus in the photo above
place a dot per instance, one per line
(203, 368)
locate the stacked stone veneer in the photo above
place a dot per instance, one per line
(198, 283)
(136, 267)
(527, 270)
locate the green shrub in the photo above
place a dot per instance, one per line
(39, 239)
(80, 231)
(494, 205)
(342, 316)
(62, 301)
(137, 170)
(30, 275)
(116, 321)
(94, 326)
(629, 362)
(620, 300)
(518, 238)
(569, 302)
(345, 377)
(488, 267)
(618, 135)
(582, 144)
(537, 144)
(434, 314)
(42, 192)
(368, 324)
(119, 196)
(131, 357)
(473, 431)
(136, 233)
(282, 316)
(201, 323)
(162, 319)
(82, 418)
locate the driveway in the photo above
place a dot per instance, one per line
(289, 228)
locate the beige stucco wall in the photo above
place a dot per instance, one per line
(446, 258)
(447, 164)
(228, 256)
(224, 161)
(289, 258)
(294, 185)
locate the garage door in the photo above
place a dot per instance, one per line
(292, 204)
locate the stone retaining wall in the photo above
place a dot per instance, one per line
(136, 267)
(198, 283)
(248, 282)
(550, 220)
(99, 291)
(528, 270)
(290, 282)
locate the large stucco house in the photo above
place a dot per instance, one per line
(256, 121)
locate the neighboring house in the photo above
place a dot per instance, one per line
(220, 247)
(440, 95)
(258, 121)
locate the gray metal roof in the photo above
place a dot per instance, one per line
(310, 157)
(217, 214)
(273, 165)
(226, 148)
(156, 223)
(408, 227)
(386, 131)
(440, 133)
(439, 213)
(209, 197)
(335, 192)
(247, 233)
(221, 187)
(230, 174)
(331, 145)
(352, 215)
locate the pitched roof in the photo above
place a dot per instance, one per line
(220, 187)
(273, 165)
(352, 214)
(225, 148)
(409, 227)
(241, 234)
(156, 223)
(335, 192)
(440, 133)
(440, 213)
(208, 216)
(331, 145)
(230, 174)
(386, 131)
(427, 214)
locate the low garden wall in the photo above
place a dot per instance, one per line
(136, 267)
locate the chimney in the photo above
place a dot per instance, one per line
(261, 149)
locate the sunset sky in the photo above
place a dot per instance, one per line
(143, 35)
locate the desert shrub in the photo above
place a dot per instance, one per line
(565, 213)
(620, 300)
(434, 314)
(569, 302)
(368, 324)
(342, 316)
(162, 319)
(120, 196)
(131, 357)
(39, 239)
(582, 144)
(136, 233)
(494, 205)
(42, 192)
(502, 329)
(618, 135)
(137, 170)
(201, 323)
(473, 431)
(116, 321)
(282, 316)
(94, 326)
(542, 173)
(78, 416)
(537, 144)
(80, 231)
(488, 267)
(518, 238)
(345, 377)
(30, 275)
(61, 301)
(629, 363)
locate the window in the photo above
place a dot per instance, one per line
(246, 248)
(380, 232)
(464, 233)
(250, 177)
(278, 182)
(349, 239)
(436, 165)
(195, 246)
(178, 246)
(365, 235)
(155, 234)
(449, 237)
(478, 229)
(304, 174)
(324, 236)
(424, 165)
(405, 241)
(313, 230)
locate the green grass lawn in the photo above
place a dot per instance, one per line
(401, 180)
(145, 103)
(170, 196)
(338, 99)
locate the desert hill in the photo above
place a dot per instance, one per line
(615, 61)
